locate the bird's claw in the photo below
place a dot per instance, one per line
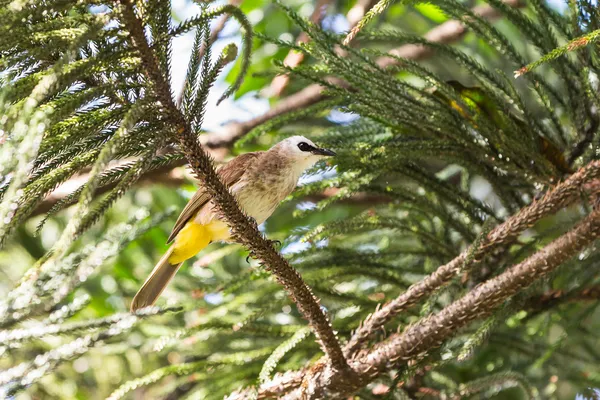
(275, 243)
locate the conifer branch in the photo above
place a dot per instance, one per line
(295, 58)
(376, 10)
(429, 333)
(573, 45)
(482, 300)
(214, 35)
(498, 381)
(244, 230)
(501, 236)
(167, 175)
(448, 161)
(219, 142)
(358, 11)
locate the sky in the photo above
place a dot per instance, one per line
(243, 109)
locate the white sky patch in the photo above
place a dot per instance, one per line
(341, 117)
(213, 298)
(295, 247)
(243, 109)
(336, 23)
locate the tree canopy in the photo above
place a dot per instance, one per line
(449, 250)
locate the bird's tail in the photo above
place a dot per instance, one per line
(190, 240)
(158, 280)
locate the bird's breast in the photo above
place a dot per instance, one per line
(259, 197)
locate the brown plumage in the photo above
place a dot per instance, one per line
(230, 173)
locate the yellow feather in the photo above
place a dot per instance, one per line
(218, 230)
(191, 239)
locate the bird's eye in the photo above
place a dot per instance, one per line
(303, 146)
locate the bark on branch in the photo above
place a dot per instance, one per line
(481, 301)
(244, 230)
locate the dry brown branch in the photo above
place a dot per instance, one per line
(163, 175)
(243, 229)
(360, 198)
(555, 199)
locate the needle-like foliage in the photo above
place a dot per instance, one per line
(450, 242)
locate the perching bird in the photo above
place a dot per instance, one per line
(259, 181)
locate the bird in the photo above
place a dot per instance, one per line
(258, 180)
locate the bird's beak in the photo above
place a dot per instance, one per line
(324, 152)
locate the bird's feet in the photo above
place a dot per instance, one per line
(275, 243)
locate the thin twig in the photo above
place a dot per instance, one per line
(552, 298)
(585, 142)
(243, 230)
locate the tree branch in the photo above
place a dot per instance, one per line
(481, 301)
(555, 199)
(162, 175)
(447, 32)
(243, 230)
(562, 195)
(431, 332)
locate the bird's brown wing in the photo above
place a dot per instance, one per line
(230, 173)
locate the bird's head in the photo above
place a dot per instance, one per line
(302, 150)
